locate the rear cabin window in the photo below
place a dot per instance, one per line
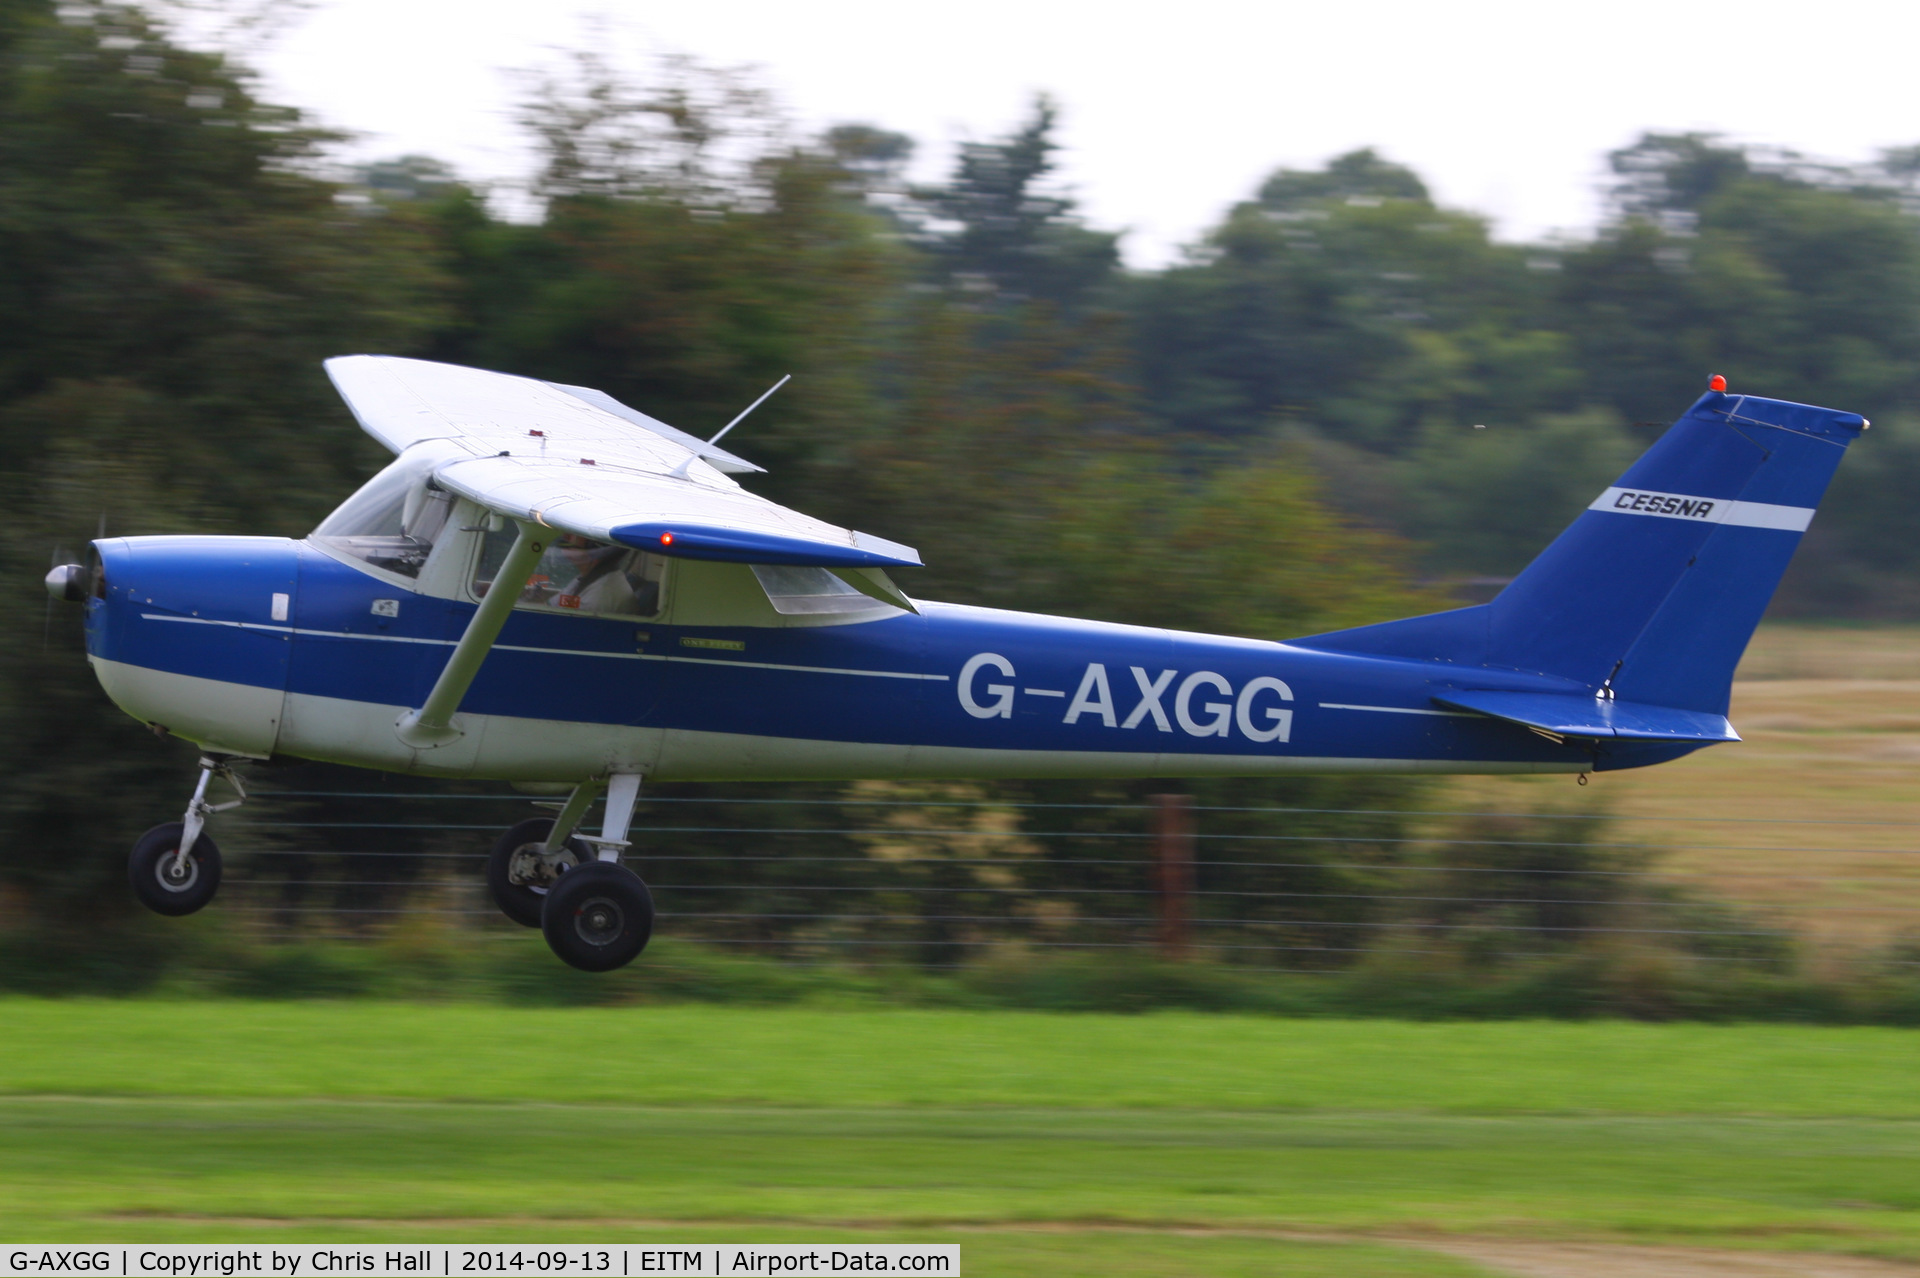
(579, 575)
(797, 591)
(393, 521)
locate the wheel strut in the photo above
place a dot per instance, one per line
(623, 791)
(198, 809)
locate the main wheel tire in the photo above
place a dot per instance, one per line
(518, 899)
(161, 886)
(598, 917)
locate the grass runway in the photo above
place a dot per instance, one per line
(1151, 1145)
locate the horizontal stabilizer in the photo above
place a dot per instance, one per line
(1572, 715)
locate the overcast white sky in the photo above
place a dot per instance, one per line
(1173, 110)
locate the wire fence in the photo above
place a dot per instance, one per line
(938, 882)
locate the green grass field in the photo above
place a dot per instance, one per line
(1811, 818)
(1163, 1144)
(693, 1054)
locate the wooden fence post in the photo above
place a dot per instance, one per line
(1173, 845)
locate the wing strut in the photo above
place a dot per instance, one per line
(432, 724)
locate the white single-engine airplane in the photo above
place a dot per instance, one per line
(547, 586)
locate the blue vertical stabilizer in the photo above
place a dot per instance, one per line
(1655, 589)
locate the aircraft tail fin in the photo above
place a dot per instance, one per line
(1654, 591)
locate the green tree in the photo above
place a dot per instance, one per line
(1794, 280)
(1861, 558)
(1363, 177)
(1250, 549)
(994, 223)
(1346, 300)
(1487, 501)
(173, 277)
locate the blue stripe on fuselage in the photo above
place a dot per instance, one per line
(1072, 684)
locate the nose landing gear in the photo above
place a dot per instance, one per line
(174, 868)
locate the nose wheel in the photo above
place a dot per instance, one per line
(168, 883)
(174, 869)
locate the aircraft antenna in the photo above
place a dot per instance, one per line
(750, 407)
(680, 471)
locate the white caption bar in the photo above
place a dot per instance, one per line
(421, 1260)
(1704, 510)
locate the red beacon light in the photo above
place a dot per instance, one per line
(666, 539)
(1716, 383)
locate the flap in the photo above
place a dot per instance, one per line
(1570, 715)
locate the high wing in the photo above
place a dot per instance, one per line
(579, 461)
(714, 455)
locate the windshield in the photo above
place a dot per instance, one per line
(393, 520)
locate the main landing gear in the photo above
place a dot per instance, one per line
(174, 868)
(595, 913)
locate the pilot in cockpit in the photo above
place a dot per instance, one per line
(599, 582)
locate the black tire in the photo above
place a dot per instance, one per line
(520, 901)
(150, 866)
(598, 917)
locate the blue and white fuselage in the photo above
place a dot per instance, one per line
(263, 646)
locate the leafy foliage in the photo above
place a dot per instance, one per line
(1004, 230)
(175, 275)
(1362, 314)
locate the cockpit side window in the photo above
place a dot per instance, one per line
(803, 591)
(393, 521)
(579, 575)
